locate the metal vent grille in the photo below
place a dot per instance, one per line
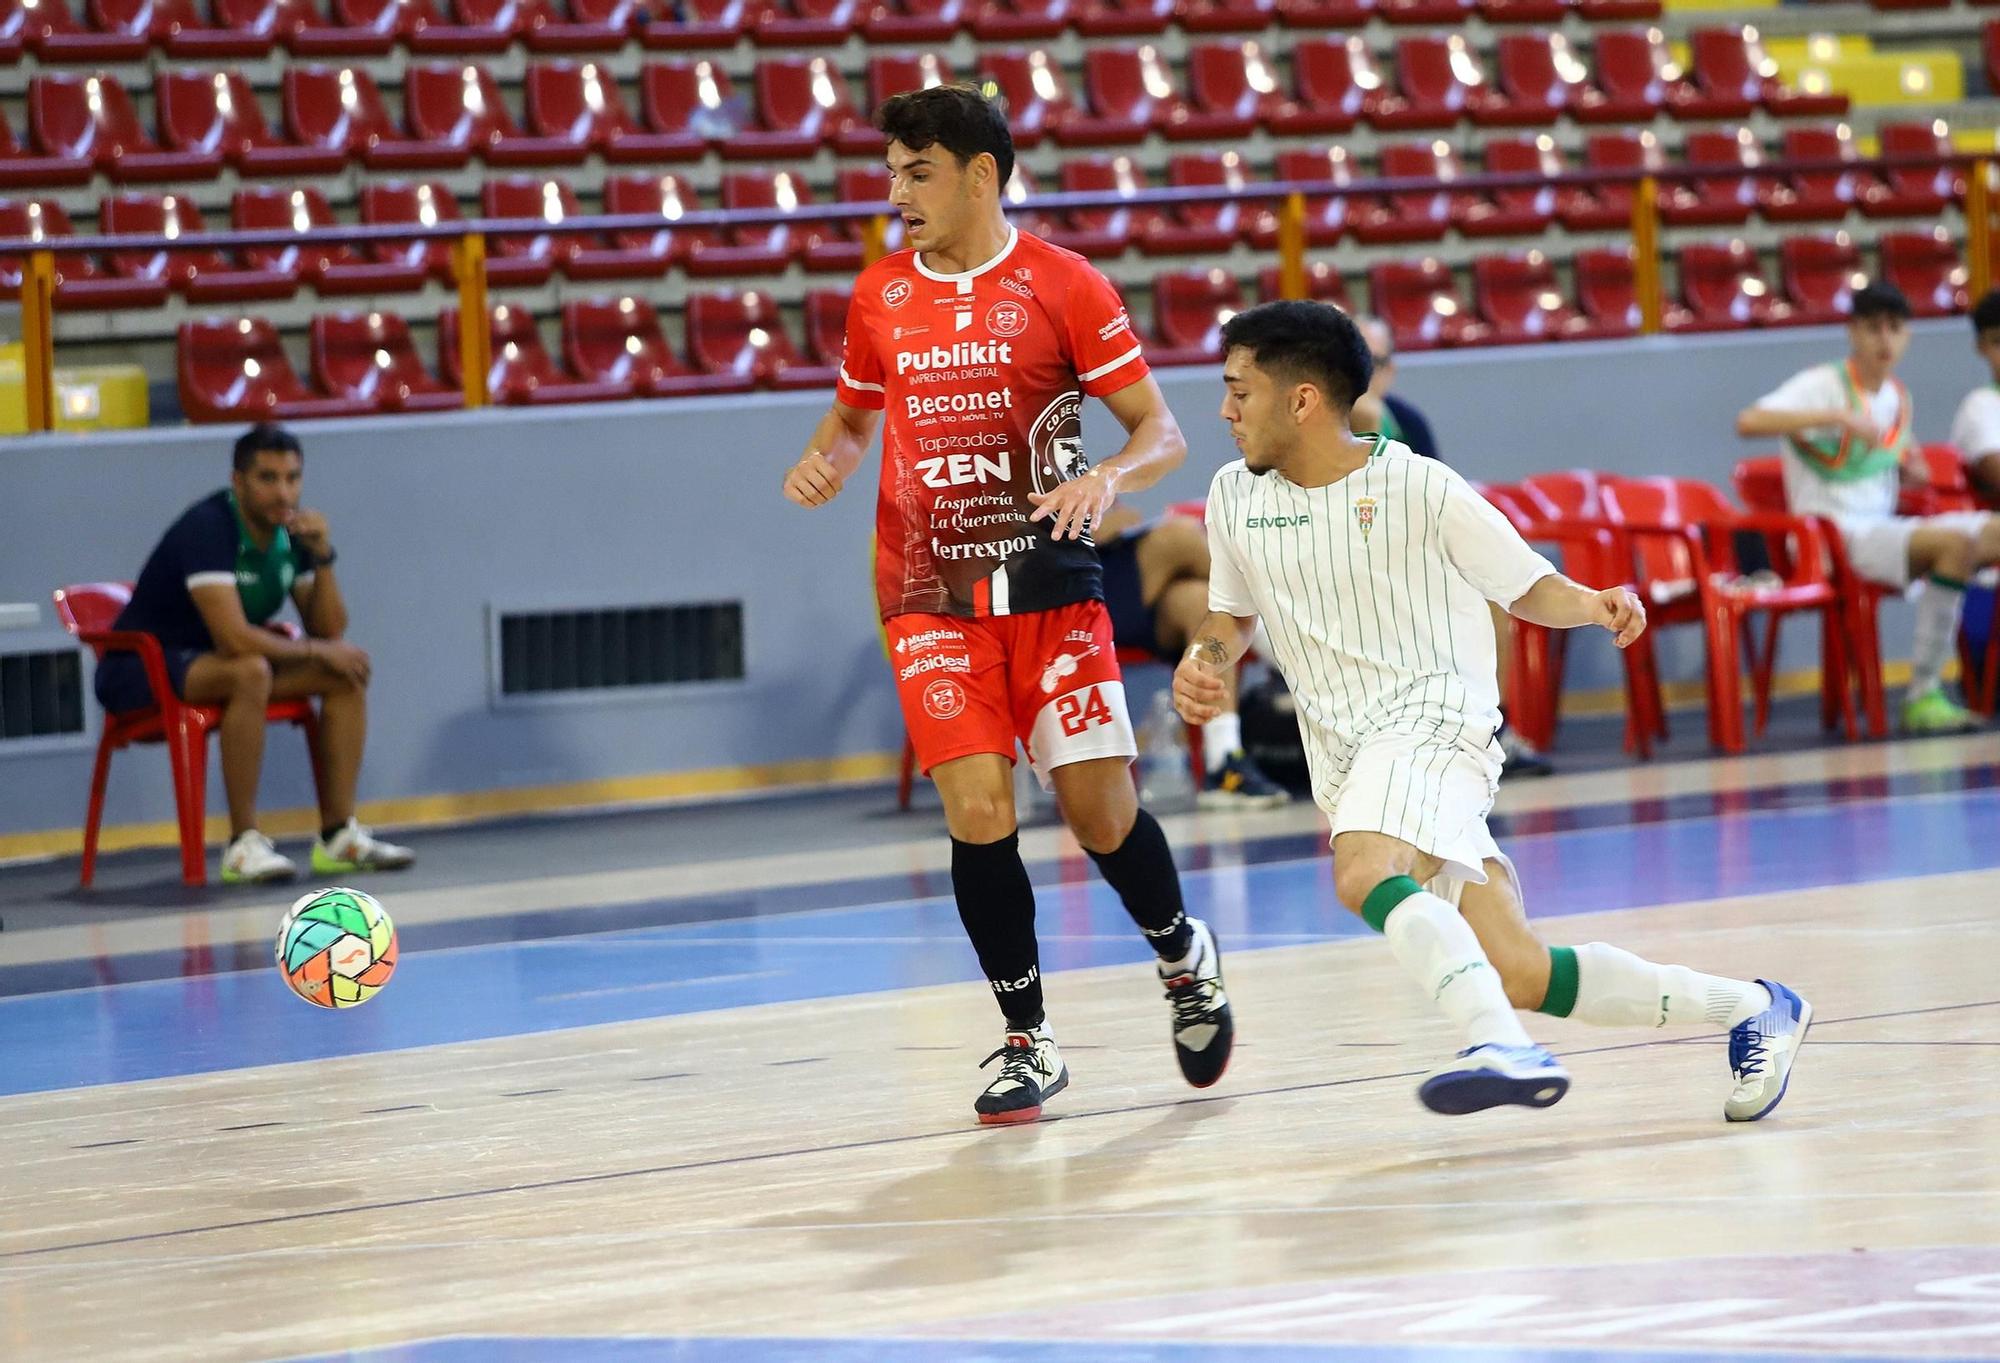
(547, 652)
(41, 694)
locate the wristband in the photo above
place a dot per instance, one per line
(326, 560)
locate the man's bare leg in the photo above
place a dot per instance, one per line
(242, 687)
(343, 732)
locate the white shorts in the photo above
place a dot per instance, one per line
(1434, 796)
(1879, 546)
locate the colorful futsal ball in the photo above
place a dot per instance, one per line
(336, 947)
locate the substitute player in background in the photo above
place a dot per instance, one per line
(981, 342)
(1371, 569)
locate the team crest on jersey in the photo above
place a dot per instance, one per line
(944, 699)
(896, 292)
(1007, 318)
(1364, 514)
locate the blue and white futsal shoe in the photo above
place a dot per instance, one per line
(1761, 1052)
(1493, 1075)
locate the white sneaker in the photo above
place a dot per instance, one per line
(1031, 1072)
(251, 859)
(1490, 1075)
(354, 848)
(1761, 1052)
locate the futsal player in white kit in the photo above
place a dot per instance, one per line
(1371, 569)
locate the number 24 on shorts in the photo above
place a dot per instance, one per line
(1080, 710)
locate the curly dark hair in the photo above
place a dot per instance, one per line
(1305, 342)
(960, 118)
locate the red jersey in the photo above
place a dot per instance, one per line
(982, 376)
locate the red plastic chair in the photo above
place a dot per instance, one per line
(1326, 217)
(580, 102)
(809, 23)
(1438, 81)
(92, 118)
(341, 108)
(808, 97)
(1606, 290)
(202, 276)
(816, 245)
(1420, 301)
(742, 334)
(80, 283)
(1725, 289)
(216, 111)
(522, 371)
(237, 371)
(1721, 200)
(1681, 532)
(1336, 84)
(1730, 63)
(1914, 191)
(88, 610)
(1927, 268)
(369, 356)
(1032, 114)
(1820, 274)
(1519, 296)
(1816, 195)
(619, 341)
(1189, 308)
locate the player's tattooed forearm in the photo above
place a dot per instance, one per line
(1212, 651)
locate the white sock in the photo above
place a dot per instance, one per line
(1437, 949)
(1614, 988)
(1221, 737)
(1938, 609)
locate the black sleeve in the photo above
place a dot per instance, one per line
(1416, 431)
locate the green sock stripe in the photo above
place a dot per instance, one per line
(1560, 1000)
(1950, 584)
(1383, 899)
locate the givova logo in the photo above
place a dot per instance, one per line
(1276, 522)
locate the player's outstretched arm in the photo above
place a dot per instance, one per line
(1558, 603)
(1199, 692)
(1154, 447)
(838, 445)
(1755, 422)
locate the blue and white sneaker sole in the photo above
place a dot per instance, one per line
(1457, 1092)
(1805, 1025)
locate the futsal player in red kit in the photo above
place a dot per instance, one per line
(980, 343)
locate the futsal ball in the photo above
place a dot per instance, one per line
(336, 947)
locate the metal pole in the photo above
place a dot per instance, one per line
(1979, 228)
(38, 339)
(874, 238)
(475, 332)
(1292, 246)
(1646, 253)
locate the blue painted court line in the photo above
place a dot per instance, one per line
(516, 1350)
(161, 1028)
(669, 909)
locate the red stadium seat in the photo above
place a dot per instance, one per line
(1605, 291)
(914, 21)
(423, 27)
(1131, 93)
(892, 74)
(207, 112)
(1724, 288)
(21, 169)
(1226, 16)
(580, 102)
(54, 34)
(1634, 151)
(618, 341)
(1255, 223)
(1015, 21)
(459, 105)
(1323, 284)
(340, 108)
(1523, 11)
(1421, 303)
(698, 251)
(808, 97)
(545, 28)
(1122, 18)
(1092, 241)
(430, 203)
(816, 245)
(173, 25)
(1471, 212)
(704, 24)
(469, 27)
(809, 23)
(1240, 80)
(1189, 308)
(1542, 203)
(1914, 191)
(1438, 13)
(1541, 77)
(300, 27)
(1322, 14)
(1639, 77)
(1927, 268)
(826, 325)
(1153, 229)
(201, 276)
(522, 371)
(869, 185)
(1819, 275)
(1731, 64)
(369, 357)
(1336, 83)
(742, 334)
(13, 30)
(330, 269)
(1815, 195)
(1327, 218)
(91, 118)
(698, 99)
(79, 281)
(580, 256)
(1438, 82)
(1714, 202)
(1039, 100)
(236, 371)
(1989, 45)
(1520, 300)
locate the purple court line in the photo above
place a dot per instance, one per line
(874, 1143)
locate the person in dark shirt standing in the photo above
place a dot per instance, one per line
(217, 577)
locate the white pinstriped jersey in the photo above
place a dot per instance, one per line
(1373, 592)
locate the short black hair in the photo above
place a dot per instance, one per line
(1876, 299)
(265, 435)
(1307, 342)
(958, 117)
(1986, 313)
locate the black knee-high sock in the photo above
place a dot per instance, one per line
(997, 905)
(1142, 871)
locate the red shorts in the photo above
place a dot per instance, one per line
(1047, 678)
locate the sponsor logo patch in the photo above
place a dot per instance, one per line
(944, 699)
(896, 292)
